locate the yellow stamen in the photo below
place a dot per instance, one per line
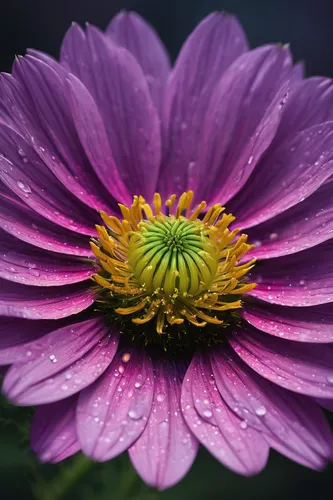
(170, 265)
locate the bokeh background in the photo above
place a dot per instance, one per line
(308, 26)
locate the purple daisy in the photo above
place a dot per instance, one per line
(135, 315)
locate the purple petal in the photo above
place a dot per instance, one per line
(62, 363)
(93, 137)
(16, 334)
(41, 110)
(18, 219)
(53, 431)
(303, 368)
(113, 412)
(124, 102)
(325, 403)
(38, 187)
(129, 30)
(286, 176)
(291, 423)
(165, 451)
(310, 103)
(301, 279)
(302, 324)
(22, 301)
(225, 435)
(205, 56)
(305, 225)
(241, 120)
(24, 263)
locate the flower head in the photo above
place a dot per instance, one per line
(136, 315)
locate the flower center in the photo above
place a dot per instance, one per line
(173, 255)
(171, 265)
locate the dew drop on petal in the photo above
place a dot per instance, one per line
(261, 411)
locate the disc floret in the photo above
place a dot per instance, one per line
(169, 265)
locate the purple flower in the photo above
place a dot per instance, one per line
(159, 329)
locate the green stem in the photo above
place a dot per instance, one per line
(65, 481)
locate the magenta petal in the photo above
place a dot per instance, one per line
(302, 368)
(325, 403)
(291, 423)
(305, 225)
(16, 334)
(113, 412)
(302, 324)
(226, 436)
(18, 219)
(286, 176)
(241, 120)
(129, 30)
(165, 451)
(62, 363)
(22, 301)
(38, 187)
(215, 43)
(124, 102)
(41, 111)
(291, 281)
(24, 263)
(53, 431)
(93, 137)
(310, 103)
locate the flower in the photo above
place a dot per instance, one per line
(174, 321)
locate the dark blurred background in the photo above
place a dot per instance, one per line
(308, 26)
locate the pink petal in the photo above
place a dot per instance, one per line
(165, 451)
(241, 120)
(286, 176)
(22, 301)
(16, 334)
(304, 225)
(303, 368)
(131, 31)
(41, 111)
(291, 423)
(205, 56)
(62, 363)
(310, 103)
(24, 263)
(113, 412)
(302, 324)
(225, 435)
(93, 137)
(18, 219)
(38, 187)
(53, 431)
(301, 279)
(124, 102)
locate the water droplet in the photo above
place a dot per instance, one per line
(53, 358)
(243, 425)
(261, 411)
(330, 379)
(24, 187)
(34, 272)
(160, 397)
(134, 415)
(126, 357)
(207, 413)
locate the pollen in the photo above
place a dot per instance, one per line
(171, 264)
